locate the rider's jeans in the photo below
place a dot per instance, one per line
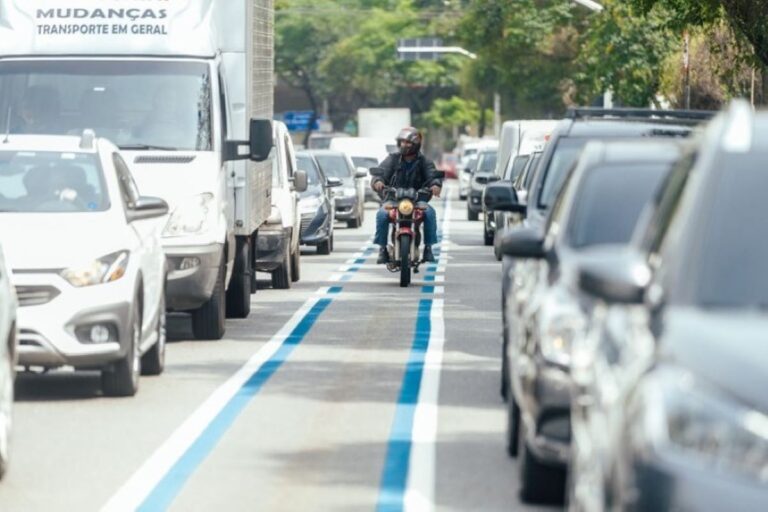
(382, 225)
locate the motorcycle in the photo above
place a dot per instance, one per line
(406, 208)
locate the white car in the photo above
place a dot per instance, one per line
(84, 252)
(8, 347)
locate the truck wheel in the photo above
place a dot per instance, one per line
(281, 277)
(123, 378)
(239, 291)
(153, 362)
(487, 236)
(296, 265)
(471, 215)
(254, 282)
(208, 319)
(324, 247)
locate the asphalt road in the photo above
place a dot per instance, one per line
(345, 393)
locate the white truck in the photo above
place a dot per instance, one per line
(184, 88)
(382, 123)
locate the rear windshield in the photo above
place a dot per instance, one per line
(48, 181)
(334, 166)
(486, 162)
(609, 202)
(727, 265)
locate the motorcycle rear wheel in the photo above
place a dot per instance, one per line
(405, 260)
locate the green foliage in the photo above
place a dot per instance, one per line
(452, 112)
(623, 53)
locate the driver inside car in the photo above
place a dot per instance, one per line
(407, 168)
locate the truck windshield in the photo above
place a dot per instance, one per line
(135, 104)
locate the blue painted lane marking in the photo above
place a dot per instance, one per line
(395, 474)
(169, 487)
(335, 290)
(429, 279)
(427, 289)
(359, 261)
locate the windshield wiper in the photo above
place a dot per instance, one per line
(140, 147)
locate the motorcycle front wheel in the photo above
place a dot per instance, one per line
(405, 260)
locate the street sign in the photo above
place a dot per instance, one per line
(298, 120)
(410, 49)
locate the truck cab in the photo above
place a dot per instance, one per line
(177, 87)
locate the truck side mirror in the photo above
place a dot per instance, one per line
(260, 140)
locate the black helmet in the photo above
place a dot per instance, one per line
(412, 135)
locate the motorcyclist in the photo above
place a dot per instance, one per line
(408, 168)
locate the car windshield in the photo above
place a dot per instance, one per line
(136, 104)
(727, 266)
(565, 154)
(486, 162)
(334, 166)
(49, 181)
(609, 201)
(365, 161)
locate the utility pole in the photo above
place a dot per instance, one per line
(687, 68)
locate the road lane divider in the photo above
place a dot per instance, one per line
(161, 478)
(408, 476)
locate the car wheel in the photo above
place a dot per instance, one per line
(208, 319)
(462, 197)
(497, 246)
(539, 483)
(153, 362)
(472, 215)
(6, 403)
(324, 247)
(353, 223)
(123, 378)
(239, 291)
(513, 426)
(296, 265)
(281, 276)
(331, 241)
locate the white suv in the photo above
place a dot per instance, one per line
(83, 248)
(8, 340)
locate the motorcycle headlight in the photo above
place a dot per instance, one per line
(405, 207)
(309, 204)
(562, 324)
(103, 270)
(686, 418)
(192, 217)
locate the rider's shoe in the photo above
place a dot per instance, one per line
(428, 256)
(383, 256)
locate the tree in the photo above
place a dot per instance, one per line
(302, 43)
(624, 54)
(747, 17)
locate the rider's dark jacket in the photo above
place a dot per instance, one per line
(421, 175)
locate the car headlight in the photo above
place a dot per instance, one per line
(348, 192)
(192, 217)
(309, 204)
(679, 415)
(562, 324)
(103, 270)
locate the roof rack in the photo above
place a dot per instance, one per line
(639, 113)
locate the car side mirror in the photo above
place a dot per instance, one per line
(147, 207)
(333, 182)
(493, 178)
(523, 243)
(501, 196)
(300, 181)
(618, 278)
(259, 143)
